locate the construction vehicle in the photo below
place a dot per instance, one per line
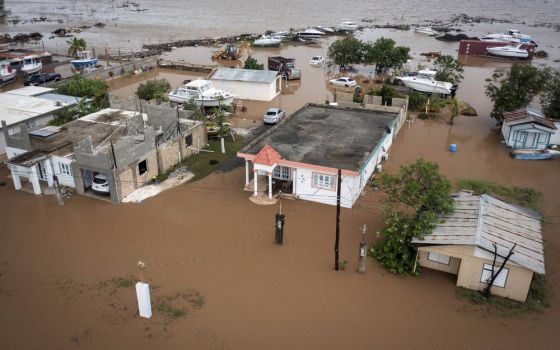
(284, 66)
(231, 52)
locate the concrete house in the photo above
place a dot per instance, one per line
(529, 129)
(128, 147)
(31, 106)
(463, 245)
(247, 84)
(301, 155)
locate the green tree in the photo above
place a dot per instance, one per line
(448, 69)
(550, 100)
(517, 90)
(387, 93)
(414, 199)
(346, 52)
(384, 54)
(75, 45)
(84, 87)
(251, 63)
(417, 101)
(154, 89)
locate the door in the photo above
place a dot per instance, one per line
(42, 171)
(542, 140)
(87, 178)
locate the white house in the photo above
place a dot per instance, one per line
(248, 84)
(529, 129)
(302, 154)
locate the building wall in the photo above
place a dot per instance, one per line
(175, 150)
(509, 132)
(305, 189)
(555, 138)
(452, 267)
(517, 283)
(248, 90)
(63, 179)
(130, 178)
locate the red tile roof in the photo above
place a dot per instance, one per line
(522, 114)
(267, 156)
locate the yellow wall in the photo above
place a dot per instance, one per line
(453, 266)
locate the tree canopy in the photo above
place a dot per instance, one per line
(414, 198)
(550, 100)
(154, 89)
(346, 51)
(384, 54)
(252, 63)
(75, 45)
(517, 90)
(448, 69)
(85, 87)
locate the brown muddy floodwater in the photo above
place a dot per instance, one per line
(58, 265)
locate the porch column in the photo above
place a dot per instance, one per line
(255, 178)
(294, 180)
(34, 178)
(49, 172)
(269, 185)
(246, 172)
(16, 178)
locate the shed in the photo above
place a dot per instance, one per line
(463, 244)
(527, 129)
(248, 84)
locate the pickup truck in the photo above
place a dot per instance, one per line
(284, 66)
(41, 78)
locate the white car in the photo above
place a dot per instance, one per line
(100, 184)
(273, 115)
(317, 60)
(343, 81)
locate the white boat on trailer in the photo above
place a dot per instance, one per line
(347, 26)
(426, 30)
(508, 51)
(31, 65)
(310, 33)
(203, 93)
(326, 30)
(268, 41)
(425, 82)
(7, 73)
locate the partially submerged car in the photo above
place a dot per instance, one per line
(343, 81)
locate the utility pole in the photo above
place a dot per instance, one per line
(362, 255)
(337, 239)
(279, 227)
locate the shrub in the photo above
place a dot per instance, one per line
(417, 101)
(153, 89)
(84, 87)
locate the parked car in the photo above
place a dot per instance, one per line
(317, 60)
(100, 184)
(343, 81)
(273, 115)
(41, 78)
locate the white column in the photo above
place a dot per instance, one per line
(294, 180)
(246, 172)
(34, 178)
(49, 172)
(16, 178)
(255, 180)
(269, 185)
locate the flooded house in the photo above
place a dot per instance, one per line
(107, 154)
(302, 154)
(528, 128)
(463, 245)
(248, 84)
(31, 106)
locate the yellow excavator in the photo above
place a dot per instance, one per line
(232, 52)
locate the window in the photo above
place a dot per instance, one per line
(500, 280)
(281, 172)
(142, 167)
(439, 258)
(188, 140)
(64, 169)
(323, 181)
(30, 124)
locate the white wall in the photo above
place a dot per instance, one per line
(63, 179)
(555, 138)
(305, 189)
(248, 90)
(11, 152)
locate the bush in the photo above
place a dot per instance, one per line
(387, 92)
(417, 101)
(251, 63)
(523, 196)
(84, 87)
(154, 89)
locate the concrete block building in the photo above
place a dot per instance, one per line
(463, 245)
(301, 155)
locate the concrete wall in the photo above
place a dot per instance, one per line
(452, 267)
(303, 181)
(176, 149)
(372, 100)
(15, 139)
(130, 178)
(249, 90)
(555, 138)
(517, 283)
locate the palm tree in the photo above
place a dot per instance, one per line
(75, 45)
(455, 109)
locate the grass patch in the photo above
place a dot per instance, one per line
(167, 309)
(119, 282)
(205, 163)
(426, 116)
(537, 300)
(523, 196)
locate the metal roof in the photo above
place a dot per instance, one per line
(69, 100)
(30, 91)
(15, 109)
(484, 220)
(528, 115)
(249, 75)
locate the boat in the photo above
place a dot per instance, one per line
(203, 93)
(512, 35)
(310, 33)
(424, 81)
(326, 30)
(267, 40)
(426, 30)
(533, 154)
(508, 51)
(7, 73)
(347, 26)
(85, 59)
(31, 65)
(501, 38)
(281, 35)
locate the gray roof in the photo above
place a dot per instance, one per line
(484, 220)
(329, 136)
(69, 100)
(249, 75)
